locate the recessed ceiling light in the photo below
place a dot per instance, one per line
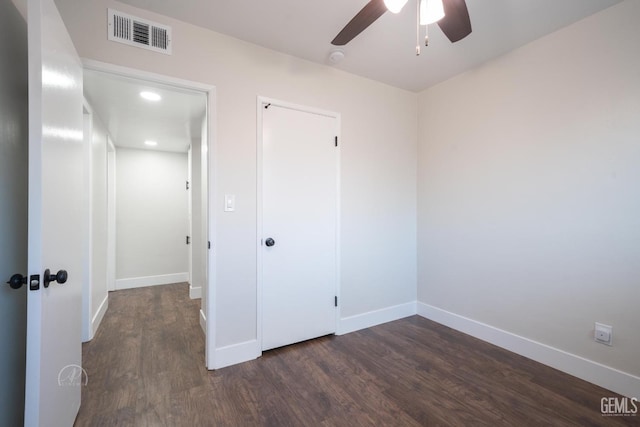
(150, 96)
(151, 143)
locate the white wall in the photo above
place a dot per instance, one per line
(13, 211)
(379, 137)
(98, 221)
(151, 217)
(529, 190)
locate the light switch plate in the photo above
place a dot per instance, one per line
(229, 202)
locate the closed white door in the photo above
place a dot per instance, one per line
(56, 191)
(299, 224)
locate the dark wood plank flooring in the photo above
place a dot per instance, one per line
(146, 368)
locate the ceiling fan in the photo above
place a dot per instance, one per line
(452, 17)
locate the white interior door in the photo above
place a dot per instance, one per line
(299, 223)
(56, 192)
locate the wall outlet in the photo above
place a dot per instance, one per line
(603, 334)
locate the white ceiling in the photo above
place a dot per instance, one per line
(131, 120)
(386, 50)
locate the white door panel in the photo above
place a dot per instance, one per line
(299, 212)
(55, 220)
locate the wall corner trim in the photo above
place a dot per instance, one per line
(596, 373)
(195, 292)
(96, 320)
(376, 317)
(236, 353)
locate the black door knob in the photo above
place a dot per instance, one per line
(269, 242)
(60, 277)
(16, 281)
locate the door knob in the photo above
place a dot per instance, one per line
(16, 281)
(60, 277)
(269, 242)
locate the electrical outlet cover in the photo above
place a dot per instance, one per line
(603, 333)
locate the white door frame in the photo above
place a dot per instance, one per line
(210, 92)
(189, 186)
(262, 102)
(111, 215)
(87, 288)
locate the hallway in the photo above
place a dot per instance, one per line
(146, 363)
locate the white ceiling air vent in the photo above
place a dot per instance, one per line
(139, 32)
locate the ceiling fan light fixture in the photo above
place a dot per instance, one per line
(395, 6)
(431, 11)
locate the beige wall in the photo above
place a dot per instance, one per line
(379, 142)
(529, 190)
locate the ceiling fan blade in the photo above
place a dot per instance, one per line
(367, 16)
(456, 24)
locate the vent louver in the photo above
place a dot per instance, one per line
(139, 32)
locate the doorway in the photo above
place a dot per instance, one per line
(141, 155)
(298, 222)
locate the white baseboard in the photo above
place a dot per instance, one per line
(612, 379)
(236, 353)
(249, 350)
(195, 292)
(373, 318)
(97, 318)
(139, 282)
(203, 322)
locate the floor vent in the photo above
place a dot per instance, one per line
(139, 32)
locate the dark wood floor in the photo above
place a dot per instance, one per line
(146, 368)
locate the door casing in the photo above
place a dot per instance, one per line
(208, 313)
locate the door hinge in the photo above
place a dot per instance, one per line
(336, 141)
(208, 245)
(335, 301)
(188, 240)
(187, 186)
